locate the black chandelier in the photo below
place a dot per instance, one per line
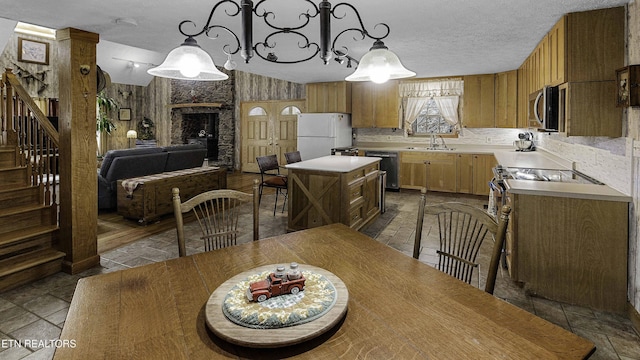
(190, 62)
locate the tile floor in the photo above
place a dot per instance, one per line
(37, 311)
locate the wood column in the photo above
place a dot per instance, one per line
(77, 127)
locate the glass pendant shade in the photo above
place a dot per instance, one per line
(379, 65)
(188, 62)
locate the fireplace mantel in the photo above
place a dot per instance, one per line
(188, 105)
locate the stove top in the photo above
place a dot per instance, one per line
(551, 175)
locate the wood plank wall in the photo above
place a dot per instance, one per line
(152, 101)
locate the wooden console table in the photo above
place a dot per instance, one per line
(333, 189)
(398, 308)
(151, 197)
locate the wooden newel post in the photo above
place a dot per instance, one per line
(77, 128)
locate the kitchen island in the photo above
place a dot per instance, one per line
(333, 189)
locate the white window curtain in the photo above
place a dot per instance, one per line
(415, 95)
(412, 110)
(448, 106)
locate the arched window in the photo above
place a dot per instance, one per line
(257, 111)
(290, 110)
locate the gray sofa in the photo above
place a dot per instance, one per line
(130, 163)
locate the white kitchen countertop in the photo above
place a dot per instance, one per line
(544, 160)
(452, 148)
(531, 159)
(334, 163)
(563, 189)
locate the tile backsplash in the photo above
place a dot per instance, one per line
(484, 136)
(606, 159)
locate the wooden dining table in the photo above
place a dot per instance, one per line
(398, 308)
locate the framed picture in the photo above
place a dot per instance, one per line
(623, 87)
(33, 51)
(124, 114)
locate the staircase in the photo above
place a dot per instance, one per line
(28, 210)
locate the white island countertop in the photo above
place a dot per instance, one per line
(334, 163)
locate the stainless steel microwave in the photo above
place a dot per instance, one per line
(543, 108)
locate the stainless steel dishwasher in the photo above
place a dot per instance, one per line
(389, 163)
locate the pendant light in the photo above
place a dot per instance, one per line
(379, 65)
(188, 62)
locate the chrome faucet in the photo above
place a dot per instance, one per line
(444, 145)
(433, 142)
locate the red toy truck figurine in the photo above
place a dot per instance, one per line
(276, 284)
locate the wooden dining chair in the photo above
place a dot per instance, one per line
(292, 157)
(270, 177)
(217, 213)
(462, 230)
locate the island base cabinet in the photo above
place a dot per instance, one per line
(571, 250)
(318, 198)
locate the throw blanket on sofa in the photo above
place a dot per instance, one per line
(131, 184)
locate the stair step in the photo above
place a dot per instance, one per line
(7, 158)
(25, 216)
(21, 195)
(13, 176)
(23, 240)
(29, 267)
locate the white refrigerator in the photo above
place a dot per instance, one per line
(319, 133)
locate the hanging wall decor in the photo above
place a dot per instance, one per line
(33, 51)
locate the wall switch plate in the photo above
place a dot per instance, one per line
(636, 148)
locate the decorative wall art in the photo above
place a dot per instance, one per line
(124, 114)
(33, 51)
(628, 86)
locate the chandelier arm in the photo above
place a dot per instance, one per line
(265, 16)
(346, 49)
(226, 46)
(362, 29)
(269, 44)
(208, 24)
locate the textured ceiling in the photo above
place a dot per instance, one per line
(432, 38)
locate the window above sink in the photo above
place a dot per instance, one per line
(431, 107)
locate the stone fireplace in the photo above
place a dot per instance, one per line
(188, 123)
(208, 107)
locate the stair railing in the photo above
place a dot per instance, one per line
(36, 140)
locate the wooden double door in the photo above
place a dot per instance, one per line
(268, 127)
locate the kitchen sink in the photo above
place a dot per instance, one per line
(430, 148)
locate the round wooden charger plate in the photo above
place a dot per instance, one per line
(271, 338)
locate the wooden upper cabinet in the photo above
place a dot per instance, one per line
(375, 105)
(506, 101)
(479, 101)
(587, 109)
(523, 97)
(557, 52)
(581, 46)
(583, 51)
(595, 44)
(329, 97)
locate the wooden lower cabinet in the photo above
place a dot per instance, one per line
(436, 171)
(447, 172)
(413, 170)
(570, 250)
(318, 198)
(464, 178)
(482, 173)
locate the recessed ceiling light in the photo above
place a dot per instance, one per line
(30, 29)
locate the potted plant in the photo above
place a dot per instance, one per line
(104, 124)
